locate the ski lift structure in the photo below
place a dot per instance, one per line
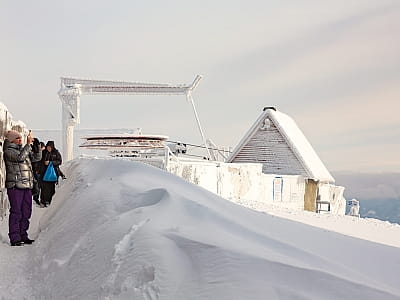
(72, 89)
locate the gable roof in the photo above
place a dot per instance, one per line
(276, 141)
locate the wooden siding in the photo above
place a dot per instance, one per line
(268, 146)
(310, 195)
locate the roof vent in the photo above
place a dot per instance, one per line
(269, 107)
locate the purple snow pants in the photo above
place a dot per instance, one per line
(20, 213)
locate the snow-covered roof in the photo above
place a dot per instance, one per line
(276, 141)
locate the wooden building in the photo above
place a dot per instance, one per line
(278, 144)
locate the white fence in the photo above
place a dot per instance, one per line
(246, 184)
(243, 183)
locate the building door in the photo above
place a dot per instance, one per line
(310, 195)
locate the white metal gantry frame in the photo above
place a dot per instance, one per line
(72, 89)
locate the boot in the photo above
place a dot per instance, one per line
(27, 241)
(17, 243)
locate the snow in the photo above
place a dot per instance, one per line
(301, 146)
(119, 229)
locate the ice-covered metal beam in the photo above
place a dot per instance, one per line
(72, 88)
(88, 86)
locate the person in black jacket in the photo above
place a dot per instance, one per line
(48, 188)
(36, 148)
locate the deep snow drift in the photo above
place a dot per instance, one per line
(124, 230)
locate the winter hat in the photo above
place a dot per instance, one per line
(51, 144)
(12, 135)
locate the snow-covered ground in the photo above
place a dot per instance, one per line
(370, 229)
(123, 230)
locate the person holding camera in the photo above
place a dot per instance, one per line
(19, 183)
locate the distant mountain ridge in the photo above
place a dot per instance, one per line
(384, 209)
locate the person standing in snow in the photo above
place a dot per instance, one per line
(36, 147)
(48, 188)
(19, 183)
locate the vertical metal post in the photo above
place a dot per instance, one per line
(166, 149)
(190, 99)
(67, 134)
(70, 116)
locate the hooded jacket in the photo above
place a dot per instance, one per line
(18, 160)
(53, 156)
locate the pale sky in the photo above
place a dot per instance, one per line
(333, 66)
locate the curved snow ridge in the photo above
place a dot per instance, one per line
(212, 263)
(279, 248)
(123, 230)
(252, 240)
(240, 236)
(128, 199)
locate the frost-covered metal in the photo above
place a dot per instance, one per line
(354, 207)
(72, 88)
(150, 148)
